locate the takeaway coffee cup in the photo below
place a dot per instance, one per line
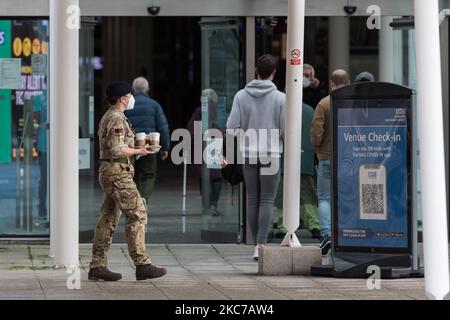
(140, 139)
(153, 138)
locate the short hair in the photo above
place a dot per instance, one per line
(265, 66)
(140, 85)
(365, 77)
(211, 94)
(310, 67)
(111, 101)
(340, 78)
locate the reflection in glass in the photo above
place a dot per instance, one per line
(24, 129)
(221, 79)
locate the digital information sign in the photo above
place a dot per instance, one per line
(372, 177)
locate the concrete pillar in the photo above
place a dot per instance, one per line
(293, 118)
(431, 136)
(386, 47)
(64, 92)
(339, 44)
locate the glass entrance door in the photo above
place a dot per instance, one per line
(405, 74)
(222, 77)
(404, 53)
(24, 127)
(89, 193)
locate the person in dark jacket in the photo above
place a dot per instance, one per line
(148, 116)
(312, 91)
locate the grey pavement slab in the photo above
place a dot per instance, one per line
(304, 258)
(197, 272)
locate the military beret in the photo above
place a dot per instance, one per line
(118, 89)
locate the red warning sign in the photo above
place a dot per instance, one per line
(296, 62)
(295, 53)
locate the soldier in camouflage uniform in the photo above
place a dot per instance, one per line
(120, 193)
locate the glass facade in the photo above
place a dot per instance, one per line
(89, 192)
(23, 127)
(405, 74)
(185, 59)
(404, 57)
(179, 71)
(222, 77)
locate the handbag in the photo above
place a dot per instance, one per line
(232, 172)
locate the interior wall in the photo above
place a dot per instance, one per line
(165, 50)
(200, 8)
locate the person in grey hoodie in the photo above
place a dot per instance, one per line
(258, 110)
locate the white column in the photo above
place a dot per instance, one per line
(430, 121)
(386, 47)
(64, 93)
(293, 120)
(339, 44)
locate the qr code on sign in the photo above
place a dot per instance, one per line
(373, 198)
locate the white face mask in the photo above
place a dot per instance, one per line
(306, 83)
(130, 105)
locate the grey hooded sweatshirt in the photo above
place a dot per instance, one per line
(259, 106)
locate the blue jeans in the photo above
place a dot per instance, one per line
(324, 196)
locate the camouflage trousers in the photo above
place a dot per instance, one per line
(120, 194)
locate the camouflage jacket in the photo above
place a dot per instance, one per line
(115, 133)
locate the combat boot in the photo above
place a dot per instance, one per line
(149, 271)
(102, 273)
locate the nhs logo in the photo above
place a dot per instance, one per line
(372, 174)
(2, 37)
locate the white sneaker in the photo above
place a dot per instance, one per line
(256, 254)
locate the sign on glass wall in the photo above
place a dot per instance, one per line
(23, 127)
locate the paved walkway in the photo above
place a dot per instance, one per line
(202, 272)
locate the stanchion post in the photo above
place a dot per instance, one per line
(293, 120)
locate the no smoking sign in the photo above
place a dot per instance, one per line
(295, 53)
(295, 57)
